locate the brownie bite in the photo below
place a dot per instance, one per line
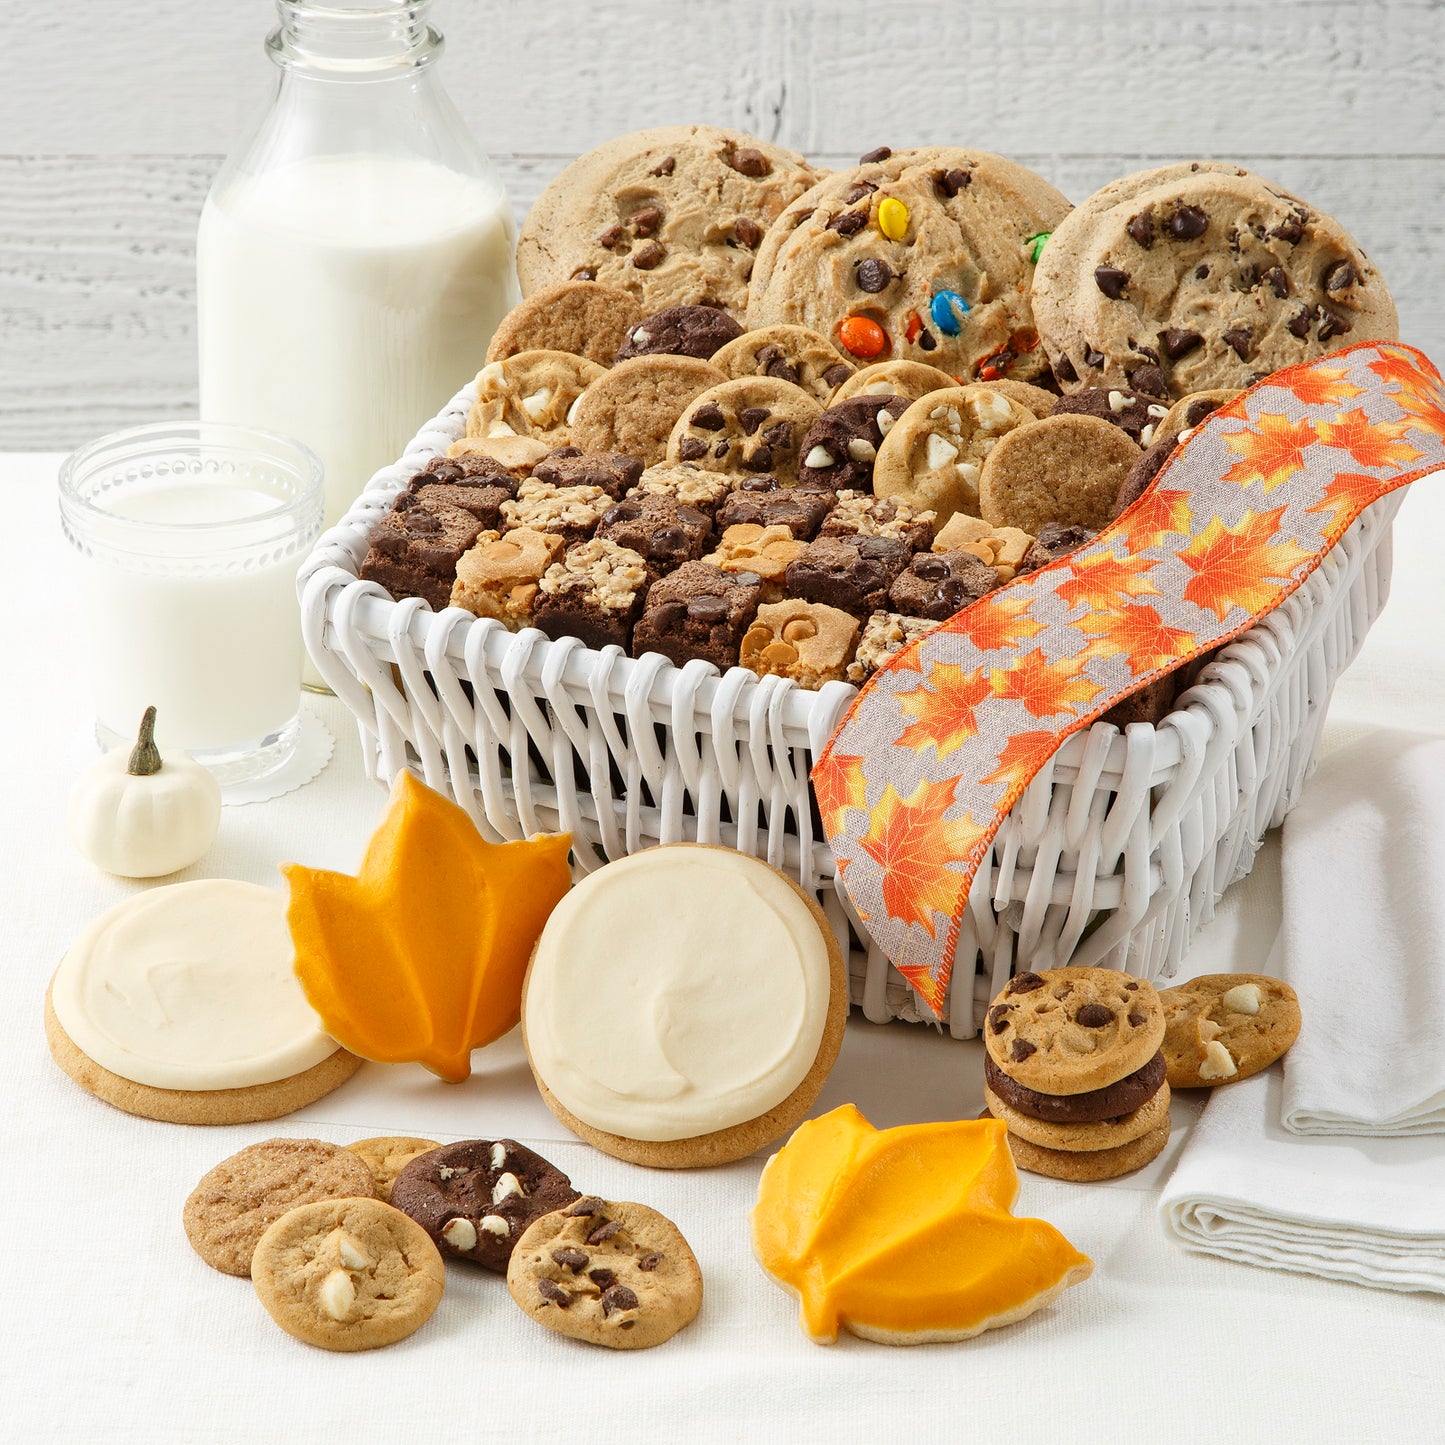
(500, 576)
(699, 611)
(840, 448)
(415, 548)
(571, 513)
(478, 485)
(1002, 548)
(1055, 540)
(679, 331)
(1150, 704)
(884, 634)
(612, 472)
(766, 551)
(764, 502)
(808, 642)
(935, 585)
(861, 514)
(850, 573)
(685, 484)
(1143, 474)
(660, 531)
(594, 592)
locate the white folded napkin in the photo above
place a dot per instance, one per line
(1368, 1211)
(1363, 941)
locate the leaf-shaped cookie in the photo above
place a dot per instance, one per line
(420, 957)
(904, 1235)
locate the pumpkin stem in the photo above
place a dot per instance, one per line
(145, 759)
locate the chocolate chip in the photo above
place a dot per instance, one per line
(649, 1262)
(952, 182)
(1092, 357)
(1201, 272)
(1197, 410)
(611, 236)
(709, 417)
(762, 457)
(1131, 987)
(1064, 370)
(875, 547)
(664, 167)
(1149, 380)
(1340, 276)
(930, 568)
(748, 232)
(998, 1017)
(554, 1293)
(646, 221)
(858, 190)
(848, 223)
(881, 154)
(1291, 229)
(648, 256)
(873, 275)
(1024, 983)
(1276, 280)
(1332, 325)
(752, 418)
(837, 375)
(1137, 1020)
(1094, 1016)
(925, 339)
(1021, 1049)
(780, 435)
(616, 1299)
(1300, 324)
(602, 1278)
(749, 161)
(1188, 223)
(1111, 281)
(689, 449)
(783, 370)
(1238, 339)
(572, 1259)
(1141, 228)
(721, 449)
(604, 1231)
(1178, 343)
(422, 524)
(585, 1207)
(707, 609)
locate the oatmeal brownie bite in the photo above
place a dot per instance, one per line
(696, 331)
(841, 446)
(499, 577)
(938, 584)
(808, 642)
(415, 549)
(685, 484)
(766, 502)
(700, 611)
(572, 513)
(594, 592)
(1002, 548)
(850, 573)
(884, 634)
(766, 551)
(859, 515)
(662, 533)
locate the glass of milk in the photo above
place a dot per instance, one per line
(187, 538)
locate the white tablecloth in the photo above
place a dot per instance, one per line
(115, 1331)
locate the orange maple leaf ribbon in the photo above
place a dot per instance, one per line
(943, 740)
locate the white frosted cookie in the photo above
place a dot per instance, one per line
(683, 1006)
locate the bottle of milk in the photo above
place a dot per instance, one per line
(355, 255)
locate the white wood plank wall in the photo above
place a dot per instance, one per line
(114, 115)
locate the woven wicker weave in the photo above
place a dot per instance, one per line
(1115, 854)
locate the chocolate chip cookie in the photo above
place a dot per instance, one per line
(1222, 1027)
(1070, 1030)
(674, 216)
(476, 1199)
(925, 255)
(577, 316)
(529, 395)
(634, 406)
(742, 427)
(1210, 275)
(840, 448)
(613, 1274)
(696, 331)
(348, 1274)
(787, 353)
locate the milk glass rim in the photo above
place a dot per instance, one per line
(163, 440)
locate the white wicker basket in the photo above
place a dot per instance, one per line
(1115, 854)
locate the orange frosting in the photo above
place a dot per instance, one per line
(904, 1235)
(420, 957)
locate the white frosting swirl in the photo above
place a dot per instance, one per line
(675, 992)
(190, 986)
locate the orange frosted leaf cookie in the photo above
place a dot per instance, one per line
(904, 1236)
(420, 957)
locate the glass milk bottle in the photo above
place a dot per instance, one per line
(356, 254)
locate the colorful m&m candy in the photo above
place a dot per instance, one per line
(948, 309)
(862, 337)
(893, 218)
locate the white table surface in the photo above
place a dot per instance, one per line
(115, 1331)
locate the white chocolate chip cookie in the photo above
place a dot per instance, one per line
(530, 395)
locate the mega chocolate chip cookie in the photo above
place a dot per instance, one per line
(674, 216)
(1207, 275)
(696, 331)
(476, 1199)
(1071, 1030)
(614, 1274)
(1222, 1027)
(743, 427)
(925, 255)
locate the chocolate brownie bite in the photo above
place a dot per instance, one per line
(850, 573)
(571, 513)
(612, 472)
(595, 592)
(884, 635)
(1150, 704)
(766, 551)
(660, 531)
(679, 331)
(1134, 412)
(1055, 540)
(1142, 474)
(808, 642)
(478, 485)
(859, 514)
(839, 449)
(938, 584)
(765, 502)
(415, 548)
(700, 611)
(499, 577)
